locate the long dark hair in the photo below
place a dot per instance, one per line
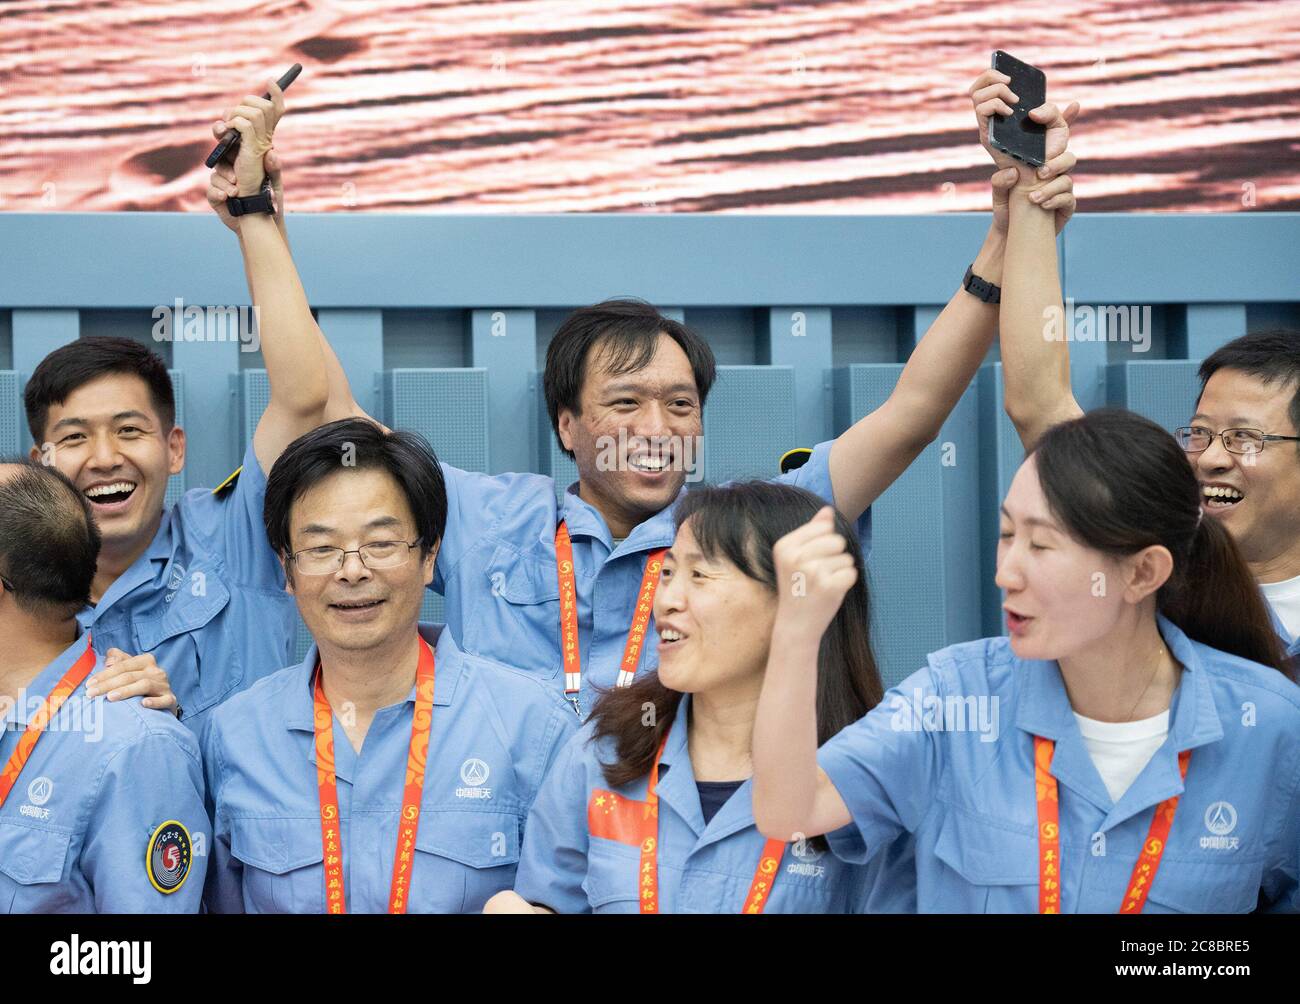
(741, 522)
(1119, 483)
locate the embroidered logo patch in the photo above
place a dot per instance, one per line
(167, 856)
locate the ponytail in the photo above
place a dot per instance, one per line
(1119, 483)
(1215, 600)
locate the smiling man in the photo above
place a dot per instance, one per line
(1244, 443)
(426, 760)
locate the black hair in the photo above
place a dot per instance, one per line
(49, 543)
(741, 523)
(1272, 356)
(76, 364)
(627, 332)
(360, 444)
(1119, 483)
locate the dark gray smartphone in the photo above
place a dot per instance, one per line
(1017, 135)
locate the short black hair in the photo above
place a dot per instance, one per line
(1272, 356)
(49, 543)
(76, 364)
(360, 444)
(628, 329)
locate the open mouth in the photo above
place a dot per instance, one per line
(1016, 623)
(650, 465)
(356, 609)
(111, 495)
(670, 638)
(1217, 497)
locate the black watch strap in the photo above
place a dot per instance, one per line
(262, 202)
(979, 288)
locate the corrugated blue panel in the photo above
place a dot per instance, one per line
(11, 421)
(448, 407)
(749, 422)
(1165, 391)
(921, 597)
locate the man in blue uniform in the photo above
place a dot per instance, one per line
(194, 585)
(101, 805)
(389, 771)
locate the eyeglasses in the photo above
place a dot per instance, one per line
(1195, 439)
(377, 554)
(9, 586)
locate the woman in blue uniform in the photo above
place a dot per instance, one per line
(647, 809)
(1148, 748)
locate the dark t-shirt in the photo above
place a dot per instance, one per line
(713, 794)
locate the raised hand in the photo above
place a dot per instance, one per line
(814, 570)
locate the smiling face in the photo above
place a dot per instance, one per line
(636, 434)
(714, 621)
(111, 443)
(357, 608)
(1254, 497)
(1059, 596)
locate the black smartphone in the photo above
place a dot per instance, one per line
(1017, 135)
(229, 143)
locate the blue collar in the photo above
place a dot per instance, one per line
(583, 520)
(449, 666)
(678, 787)
(1043, 709)
(161, 548)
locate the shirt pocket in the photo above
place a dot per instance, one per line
(518, 620)
(32, 864)
(463, 858)
(613, 873)
(995, 866)
(1190, 886)
(283, 864)
(202, 664)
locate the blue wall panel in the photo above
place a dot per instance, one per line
(1208, 279)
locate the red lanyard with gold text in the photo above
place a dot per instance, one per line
(569, 616)
(409, 822)
(1049, 836)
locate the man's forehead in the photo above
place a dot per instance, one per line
(1235, 398)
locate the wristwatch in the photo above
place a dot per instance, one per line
(979, 288)
(262, 202)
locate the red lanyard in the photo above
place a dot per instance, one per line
(760, 887)
(36, 727)
(409, 822)
(569, 616)
(1049, 836)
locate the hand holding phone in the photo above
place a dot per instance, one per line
(229, 144)
(1018, 135)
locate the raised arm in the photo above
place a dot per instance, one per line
(295, 363)
(1035, 367)
(273, 279)
(793, 797)
(868, 457)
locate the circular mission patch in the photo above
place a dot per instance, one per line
(167, 857)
